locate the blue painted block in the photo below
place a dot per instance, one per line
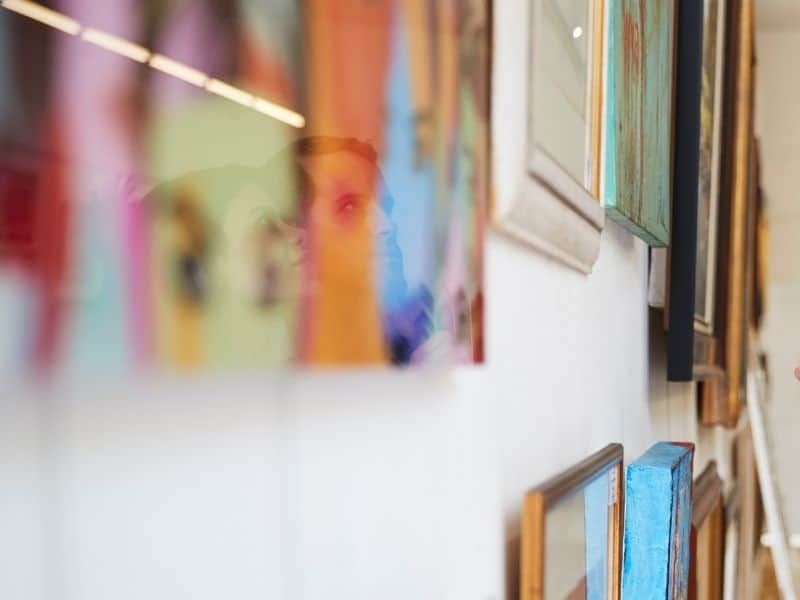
(658, 519)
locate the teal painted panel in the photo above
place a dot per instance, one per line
(639, 105)
(658, 517)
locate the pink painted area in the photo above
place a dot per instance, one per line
(137, 259)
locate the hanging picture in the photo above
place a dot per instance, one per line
(638, 144)
(572, 532)
(693, 253)
(555, 161)
(243, 184)
(722, 397)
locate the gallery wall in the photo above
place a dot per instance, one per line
(350, 485)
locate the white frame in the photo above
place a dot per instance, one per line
(775, 524)
(544, 207)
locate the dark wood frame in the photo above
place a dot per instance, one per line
(542, 499)
(692, 354)
(685, 175)
(708, 511)
(721, 398)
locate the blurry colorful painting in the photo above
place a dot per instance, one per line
(253, 183)
(638, 169)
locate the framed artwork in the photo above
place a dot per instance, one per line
(555, 205)
(751, 515)
(708, 537)
(693, 252)
(639, 111)
(572, 532)
(721, 398)
(247, 185)
(658, 519)
(730, 561)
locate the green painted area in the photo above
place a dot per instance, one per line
(638, 150)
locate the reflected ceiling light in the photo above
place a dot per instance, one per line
(220, 88)
(159, 62)
(179, 70)
(115, 44)
(577, 32)
(44, 15)
(279, 112)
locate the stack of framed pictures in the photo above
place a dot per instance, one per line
(660, 534)
(721, 398)
(710, 292)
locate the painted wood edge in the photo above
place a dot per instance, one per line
(742, 146)
(563, 485)
(654, 239)
(685, 177)
(707, 494)
(532, 548)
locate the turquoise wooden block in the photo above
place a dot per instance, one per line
(639, 105)
(658, 519)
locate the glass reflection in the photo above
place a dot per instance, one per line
(561, 93)
(577, 544)
(252, 183)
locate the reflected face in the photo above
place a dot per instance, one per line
(346, 233)
(346, 216)
(342, 192)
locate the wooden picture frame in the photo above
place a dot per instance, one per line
(751, 516)
(639, 117)
(549, 208)
(721, 398)
(708, 537)
(598, 481)
(733, 513)
(693, 253)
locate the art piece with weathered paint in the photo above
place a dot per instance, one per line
(639, 117)
(658, 520)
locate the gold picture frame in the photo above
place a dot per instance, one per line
(708, 536)
(721, 398)
(554, 502)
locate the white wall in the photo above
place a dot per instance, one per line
(339, 485)
(779, 128)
